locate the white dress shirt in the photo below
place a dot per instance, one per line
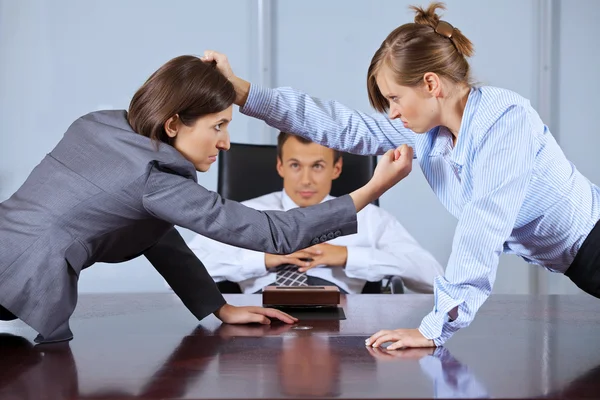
(381, 247)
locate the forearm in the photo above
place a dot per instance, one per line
(185, 203)
(327, 123)
(457, 298)
(185, 274)
(365, 195)
(242, 89)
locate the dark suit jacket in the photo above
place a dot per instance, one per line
(107, 194)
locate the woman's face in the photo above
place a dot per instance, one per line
(201, 142)
(415, 107)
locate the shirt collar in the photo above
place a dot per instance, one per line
(288, 203)
(443, 137)
(460, 151)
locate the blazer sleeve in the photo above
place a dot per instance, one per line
(185, 274)
(181, 201)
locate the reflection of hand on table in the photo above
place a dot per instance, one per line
(450, 377)
(406, 354)
(227, 331)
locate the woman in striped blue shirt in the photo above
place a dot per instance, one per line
(485, 152)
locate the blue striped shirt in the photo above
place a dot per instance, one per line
(506, 181)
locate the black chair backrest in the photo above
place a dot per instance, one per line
(247, 171)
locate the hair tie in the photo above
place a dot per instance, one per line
(445, 29)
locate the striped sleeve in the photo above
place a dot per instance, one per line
(328, 123)
(503, 165)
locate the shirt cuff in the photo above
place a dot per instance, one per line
(258, 102)
(357, 260)
(253, 264)
(437, 325)
(438, 329)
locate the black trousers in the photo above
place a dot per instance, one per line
(6, 315)
(585, 269)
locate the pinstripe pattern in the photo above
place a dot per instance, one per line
(506, 180)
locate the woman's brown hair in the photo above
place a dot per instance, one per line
(185, 86)
(411, 50)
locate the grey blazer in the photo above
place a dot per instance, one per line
(107, 194)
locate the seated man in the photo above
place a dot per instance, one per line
(382, 246)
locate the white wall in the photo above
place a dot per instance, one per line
(578, 103)
(63, 58)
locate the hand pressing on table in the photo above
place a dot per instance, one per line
(400, 338)
(247, 315)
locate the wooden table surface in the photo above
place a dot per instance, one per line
(149, 346)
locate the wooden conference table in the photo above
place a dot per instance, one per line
(148, 346)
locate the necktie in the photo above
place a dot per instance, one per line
(288, 275)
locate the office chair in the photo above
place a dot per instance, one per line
(247, 171)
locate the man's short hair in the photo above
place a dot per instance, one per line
(284, 136)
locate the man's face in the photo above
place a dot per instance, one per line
(307, 170)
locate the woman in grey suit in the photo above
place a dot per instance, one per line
(118, 182)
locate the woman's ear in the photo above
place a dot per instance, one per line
(172, 126)
(432, 84)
